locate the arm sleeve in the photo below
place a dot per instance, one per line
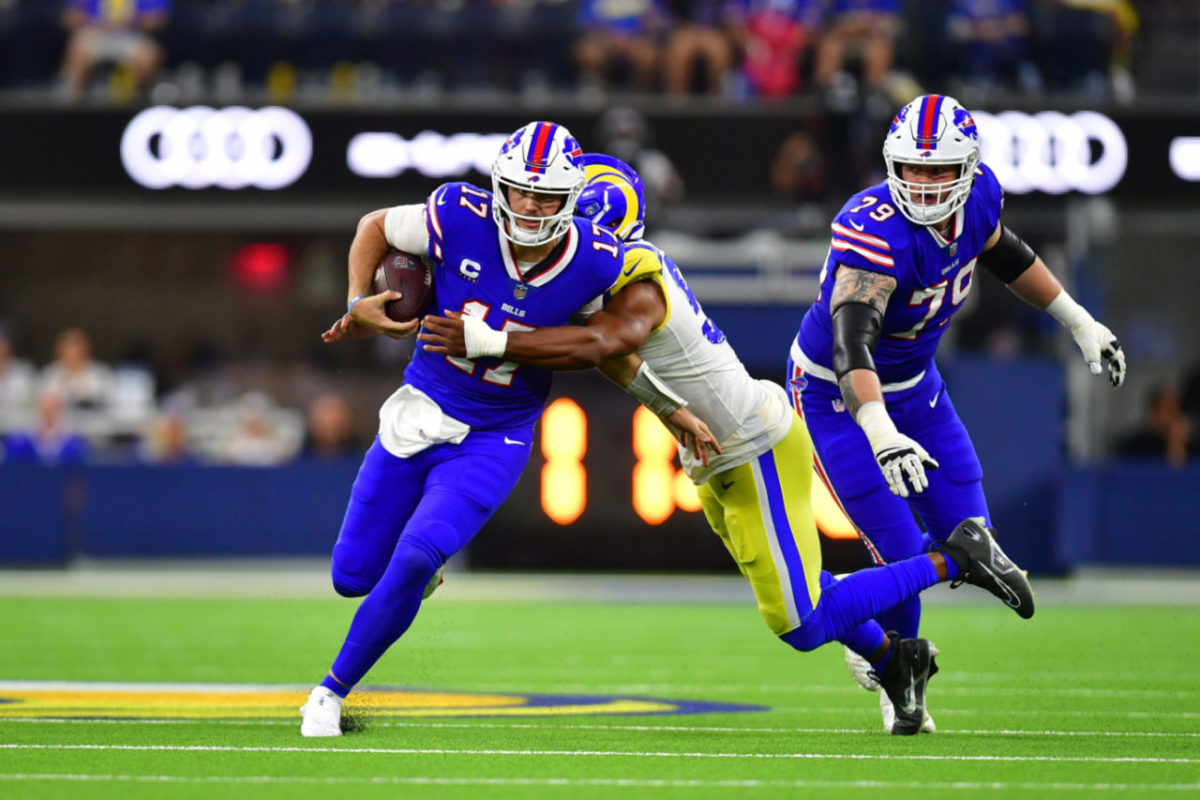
(405, 229)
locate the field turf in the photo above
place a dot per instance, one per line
(1082, 700)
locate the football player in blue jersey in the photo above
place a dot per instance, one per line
(861, 372)
(454, 438)
(755, 491)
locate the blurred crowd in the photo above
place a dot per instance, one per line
(840, 50)
(77, 409)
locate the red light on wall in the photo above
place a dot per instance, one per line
(262, 266)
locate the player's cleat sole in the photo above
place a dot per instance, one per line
(982, 563)
(905, 679)
(322, 714)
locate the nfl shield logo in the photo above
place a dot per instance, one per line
(954, 248)
(520, 290)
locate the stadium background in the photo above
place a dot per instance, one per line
(206, 302)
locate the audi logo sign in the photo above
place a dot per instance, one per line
(386, 155)
(1053, 152)
(229, 148)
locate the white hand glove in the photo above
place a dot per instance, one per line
(899, 457)
(1098, 343)
(1095, 341)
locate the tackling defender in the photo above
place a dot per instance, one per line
(454, 438)
(755, 490)
(861, 370)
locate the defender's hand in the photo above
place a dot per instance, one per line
(368, 313)
(691, 432)
(1098, 344)
(345, 328)
(444, 335)
(901, 458)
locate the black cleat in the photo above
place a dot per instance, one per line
(981, 562)
(904, 679)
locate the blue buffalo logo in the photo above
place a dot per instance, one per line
(965, 123)
(573, 151)
(898, 120)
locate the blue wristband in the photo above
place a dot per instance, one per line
(350, 305)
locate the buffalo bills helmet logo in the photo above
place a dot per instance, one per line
(899, 119)
(965, 123)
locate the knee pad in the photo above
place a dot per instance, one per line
(413, 565)
(348, 586)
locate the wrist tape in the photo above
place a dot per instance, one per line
(481, 340)
(653, 393)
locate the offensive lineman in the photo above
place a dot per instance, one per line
(755, 490)
(861, 370)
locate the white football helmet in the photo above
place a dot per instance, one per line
(541, 157)
(933, 129)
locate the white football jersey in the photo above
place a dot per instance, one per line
(691, 355)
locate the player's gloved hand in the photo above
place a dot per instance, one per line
(902, 461)
(1097, 343)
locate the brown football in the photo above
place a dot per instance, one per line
(410, 275)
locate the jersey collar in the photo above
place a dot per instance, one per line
(550, 266)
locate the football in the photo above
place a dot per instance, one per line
(410, 275)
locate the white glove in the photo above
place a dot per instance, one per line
(1095, 341)
(898, 456)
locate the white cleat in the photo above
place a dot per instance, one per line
(322, 714)
(864, 676)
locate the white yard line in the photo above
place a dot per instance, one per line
(439, 751)
(630, 783)
(377, 722)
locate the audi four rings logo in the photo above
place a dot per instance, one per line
(230, 148)
(1053, 152)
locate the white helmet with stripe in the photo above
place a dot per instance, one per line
(933, 129)
(541, 157)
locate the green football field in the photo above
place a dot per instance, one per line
(532, 689)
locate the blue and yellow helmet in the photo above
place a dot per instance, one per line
(613, 197)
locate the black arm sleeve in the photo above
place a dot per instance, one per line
(856, 328)
(1009, 257)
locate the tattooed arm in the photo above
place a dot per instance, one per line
(860, 384)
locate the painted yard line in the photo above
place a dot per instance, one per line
(841, 687)
(633, 783)
(384, 723)
(805, 689)
(436, 751)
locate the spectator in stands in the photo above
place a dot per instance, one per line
(800, 172)
(620, 37)
(330, 429)
(626, 135)
(989, 37)
(82, 382)
(51, 439)
(773, 37)
(866, 29)
(102, 31)
(699, 39)
(17, 382)
(1088, 47)
(256, 442)
(166, 440)
(1166, 434)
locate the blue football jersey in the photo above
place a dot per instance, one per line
(933, 274)
(475, 273)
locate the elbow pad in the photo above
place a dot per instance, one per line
(856, 328)
(1009, 257)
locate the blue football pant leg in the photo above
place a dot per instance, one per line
(463, 488)
(956, 488)
(384, 495)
